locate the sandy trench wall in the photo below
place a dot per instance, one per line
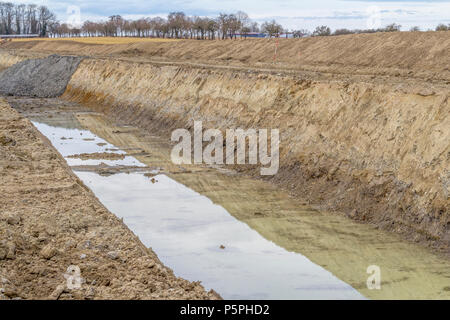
(376, 152)
(409, 54)
(7, 59)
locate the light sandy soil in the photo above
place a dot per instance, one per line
(340, 245)
(397, 55)
(364, 118)
(49, 221)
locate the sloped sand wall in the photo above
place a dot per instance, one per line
(7, 59)
(377, 152)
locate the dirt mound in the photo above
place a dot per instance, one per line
(43, 78)
(50, 222)
(418, 54)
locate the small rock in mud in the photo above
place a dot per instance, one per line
(10, 291)
(426, 92)
(106, 172)
(48, 252)
(352, 214)
(3, 253)
(90, 294)
(57, 292)
(113, 255)
(13, 219)
(6, 141)
(7, 250)
(11, 250)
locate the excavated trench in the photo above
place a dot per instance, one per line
(377, 153)
(244, 238)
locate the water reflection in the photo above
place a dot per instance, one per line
(330, 241)
(187, 231)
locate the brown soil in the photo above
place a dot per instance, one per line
(327, 239)
(407, 54)
(49, 221)
(364, 119)
(99, 156)
(376, 152)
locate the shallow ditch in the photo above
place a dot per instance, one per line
(241, 237)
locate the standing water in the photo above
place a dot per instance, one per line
(198, 239)
(241, 237)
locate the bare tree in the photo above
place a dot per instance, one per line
(393, 27)
(339, 32)
(300, 33)
(254, 27)
(442, 27)
(321, 31)
(272, 28)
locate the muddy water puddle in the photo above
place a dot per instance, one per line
(241, 237)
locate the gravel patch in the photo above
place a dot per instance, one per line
(43, 78)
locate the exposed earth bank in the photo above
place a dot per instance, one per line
(364, 119)
(49, 221)
(378, 152)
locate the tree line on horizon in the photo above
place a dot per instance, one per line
(33, 19)
(25, 19)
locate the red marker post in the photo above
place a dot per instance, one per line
(276, 49)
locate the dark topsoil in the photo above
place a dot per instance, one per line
(42, 78)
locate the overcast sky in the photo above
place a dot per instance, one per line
(293, 14)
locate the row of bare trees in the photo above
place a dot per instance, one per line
(177, 25)
(33, 19)
(25, 19)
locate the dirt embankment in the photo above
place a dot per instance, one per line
(8, 59)
(373, 144)
(49, 221)
(421, 55)
(376, 152)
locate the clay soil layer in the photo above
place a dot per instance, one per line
(49, 221)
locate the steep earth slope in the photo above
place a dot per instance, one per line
(49, 221)
(376, 151)
(365, 131)
(401, 54)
